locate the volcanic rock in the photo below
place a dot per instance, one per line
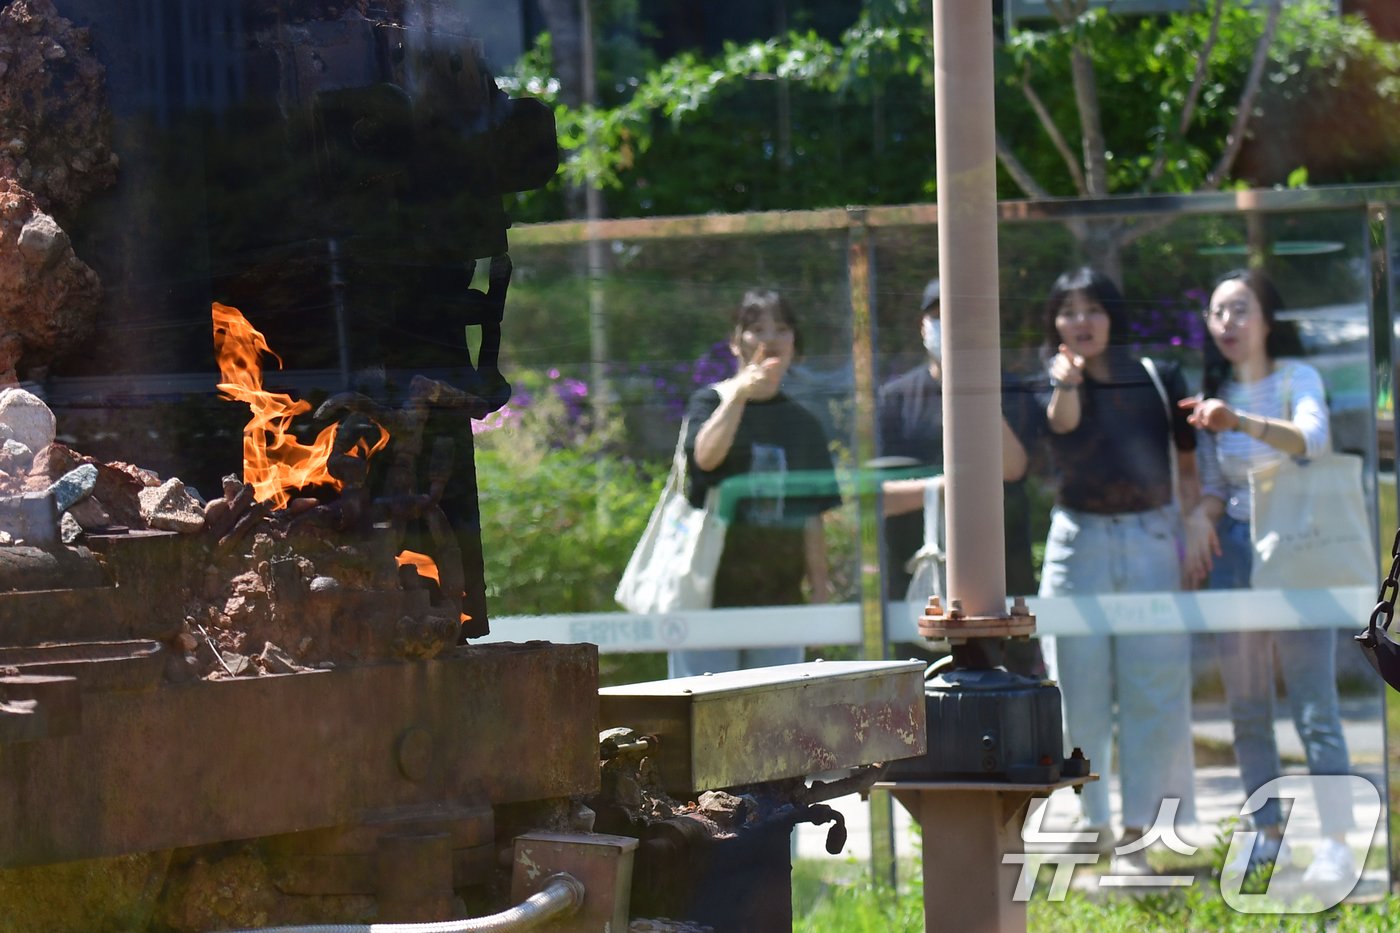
(117, 491)
(276, 661)
(69, 531)
(15, 457)
(55, 127)
(170, 507)
(30, 421)
(90, 514)
(48, 296)
(74, 486)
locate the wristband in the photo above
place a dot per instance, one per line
(1061, 384)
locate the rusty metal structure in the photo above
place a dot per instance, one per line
(382, 768)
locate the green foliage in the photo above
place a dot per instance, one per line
(836, 898)
(855, 905)
(1145, 70)
(840, 897)
(862, 907)
(561, 511)
(842, 142)
(800, 121)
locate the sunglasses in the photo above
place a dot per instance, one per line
(1381, 652)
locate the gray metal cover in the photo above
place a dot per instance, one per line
(768, 724)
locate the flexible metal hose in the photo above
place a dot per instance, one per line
(561, 894)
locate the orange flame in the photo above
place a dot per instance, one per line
(274, 461)
(427, 567)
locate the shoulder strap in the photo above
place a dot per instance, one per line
(933, 512)
(1152, 374)
(1156, 378)
(1286, 388)
(678, 460)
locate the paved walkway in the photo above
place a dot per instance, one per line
(1219, 796)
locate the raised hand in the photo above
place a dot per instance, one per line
(1210, 414)
(758, 379)
(1067, 367)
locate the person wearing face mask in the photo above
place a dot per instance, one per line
(1116, 433)
(910, 424)
(1256, 408)
(747, 426)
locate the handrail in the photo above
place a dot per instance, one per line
(840, 624)
(1327, 197)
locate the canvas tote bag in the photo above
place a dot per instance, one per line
(674, 564)
(929, 565)
(1309, 523)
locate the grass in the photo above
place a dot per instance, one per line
(840, 897)
(844, 900)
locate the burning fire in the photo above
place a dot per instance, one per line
(274, 461)
(427, 567)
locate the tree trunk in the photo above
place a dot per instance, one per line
(564, 21)
(1086, 96)
(1102, 242)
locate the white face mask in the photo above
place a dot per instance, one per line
(932, 331)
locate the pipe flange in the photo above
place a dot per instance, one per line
(950, 623)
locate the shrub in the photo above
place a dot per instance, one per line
(561, 510)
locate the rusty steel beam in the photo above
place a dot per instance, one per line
(775, 723)
(240, 759)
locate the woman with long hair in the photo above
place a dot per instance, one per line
(1115, 432)
(1258, 407)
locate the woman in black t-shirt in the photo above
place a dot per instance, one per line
(745, 426)
(1115, 429)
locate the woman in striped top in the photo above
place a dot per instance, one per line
(1255, 408)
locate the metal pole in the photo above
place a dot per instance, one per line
(1386, 296)
(859, 264)
(966, 886)
(967, 265)
(593, 209)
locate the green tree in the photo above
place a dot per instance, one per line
(1185, 99)
(1095, 104)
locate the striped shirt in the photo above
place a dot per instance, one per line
(1293, 391)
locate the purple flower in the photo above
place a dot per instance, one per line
(503, 416)
(715, 364)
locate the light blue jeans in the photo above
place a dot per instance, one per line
(717, 660)
(1308, 661)
(1140, 683)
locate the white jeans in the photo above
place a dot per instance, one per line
(1141, 683)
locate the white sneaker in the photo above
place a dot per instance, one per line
(1267, 850)
(1131, 863)
(1332, 864)
(1101, 844)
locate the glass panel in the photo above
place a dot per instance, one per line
(342, 174)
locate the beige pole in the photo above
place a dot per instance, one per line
(967, 266)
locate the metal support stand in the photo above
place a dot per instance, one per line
(966, 885)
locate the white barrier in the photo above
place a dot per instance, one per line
(1122, 614)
